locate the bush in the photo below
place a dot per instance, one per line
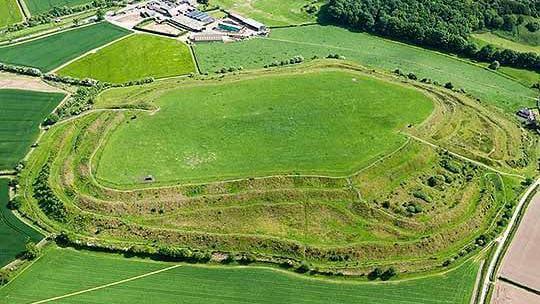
(31, 251)
(47, 200)
(422, 195)
(495, 65)
(533, 26)
(449, 85)
(15, 203)
(412, 76)
(388, 274)
(5, 276)
(303, 268)
(375, 274)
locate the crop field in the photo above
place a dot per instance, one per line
(41, 6)
(261, 127)
(52, 51)
(369, 51)
(406, 192)
(273, 12)
(490, 38)
(21, 113)
(9, 12)
(13, 233)
(148, 56)
(59, 273)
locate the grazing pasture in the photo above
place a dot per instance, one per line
(52, 51)
(9, 12)
(59, 273)
(501, 42)
(273, 12)
(41, 6)
(329, 123)
(21, 112)
(132, 58)
(370, 51)
(13, 233)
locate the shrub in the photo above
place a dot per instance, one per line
(388, 274)
(422, 195)
(31, 251)
(449, 85)
(412, 76)
(533, 26)
(5, 276)
(15, 203)
(375, 273)
(303, 268)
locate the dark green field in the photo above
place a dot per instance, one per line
(13, 232)
(64, 271)
(52, 51)
(21, 112)
(42, 6)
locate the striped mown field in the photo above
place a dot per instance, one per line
(113, 279)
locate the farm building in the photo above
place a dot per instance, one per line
(184, 22)
(526, 114)
(206, 37)
(228, 27)
(200, 16)
(253, 24)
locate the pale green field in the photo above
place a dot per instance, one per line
(329, 123)
(271, 12)
(64, 271)
(132, 58)
(497, 41)
(9, 12)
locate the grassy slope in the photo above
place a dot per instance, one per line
(59, 273)
(320, 123)
(369, 51)
(13, 232)
(9, 12)
(147, 56)
(270, 12)
(42, 6)
(21, 112)
(52, 51)
(490, 38)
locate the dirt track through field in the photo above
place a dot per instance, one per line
(106, 285)
(12, 81)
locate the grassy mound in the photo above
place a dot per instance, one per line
(328, 123)
(196, 284)
(9, 12)
(52, 51)
(21, 112)
(133, 58)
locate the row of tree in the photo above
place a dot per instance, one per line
(441, 24)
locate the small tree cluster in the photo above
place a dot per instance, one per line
(229, 70)
(336, 56)
(384, 275)
(47, 200)
(294, 60)
(20, 70)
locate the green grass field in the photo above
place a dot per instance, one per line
(370, 51)
(9, 12)
(329, 123)
(133, 58)
(64, 271)
(21, 112)
(498, 41)
(13, 233)
(41, 6)
(52, 51)
(272, 12)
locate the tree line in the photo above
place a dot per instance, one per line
(443, 24)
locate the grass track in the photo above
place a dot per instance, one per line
(9, 12)
(148, 56)
(21, 112)
(264, 126)
(42, 6)
(59, 273)
(490, 38)
(52, 51)
(13, 232)
(370, 51)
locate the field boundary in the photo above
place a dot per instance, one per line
(106, 285)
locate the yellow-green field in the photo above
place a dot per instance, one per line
(498, 41)
(9, 12)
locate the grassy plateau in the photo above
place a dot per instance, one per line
(52, 51)
(372, 52)
(9, 12)
(148, 56)
(21, 113)
(13, 233)
(59, 273)
(284, 124)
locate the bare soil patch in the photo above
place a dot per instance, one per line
(506, 293)
(12, 81)
(521, 264)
